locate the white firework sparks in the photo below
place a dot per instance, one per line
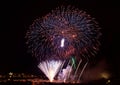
(62, 42)
(50, 68)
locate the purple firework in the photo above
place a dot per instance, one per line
(63, 32)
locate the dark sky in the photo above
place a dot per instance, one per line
(18, 15)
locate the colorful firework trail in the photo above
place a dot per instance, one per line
(63, 32)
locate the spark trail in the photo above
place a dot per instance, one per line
(50, 68)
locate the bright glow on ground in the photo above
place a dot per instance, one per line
(50, 68)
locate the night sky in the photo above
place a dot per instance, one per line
(18, 15)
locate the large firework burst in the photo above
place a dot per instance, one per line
(63, 32)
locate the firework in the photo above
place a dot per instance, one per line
(63, 32)
(50, 68)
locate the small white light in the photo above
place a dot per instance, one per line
(62, 42)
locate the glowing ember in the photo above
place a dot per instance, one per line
(62, 42)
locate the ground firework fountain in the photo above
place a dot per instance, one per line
(64, 41)
(50, 68)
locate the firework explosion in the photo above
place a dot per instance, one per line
(64, 33)
(50, 68)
